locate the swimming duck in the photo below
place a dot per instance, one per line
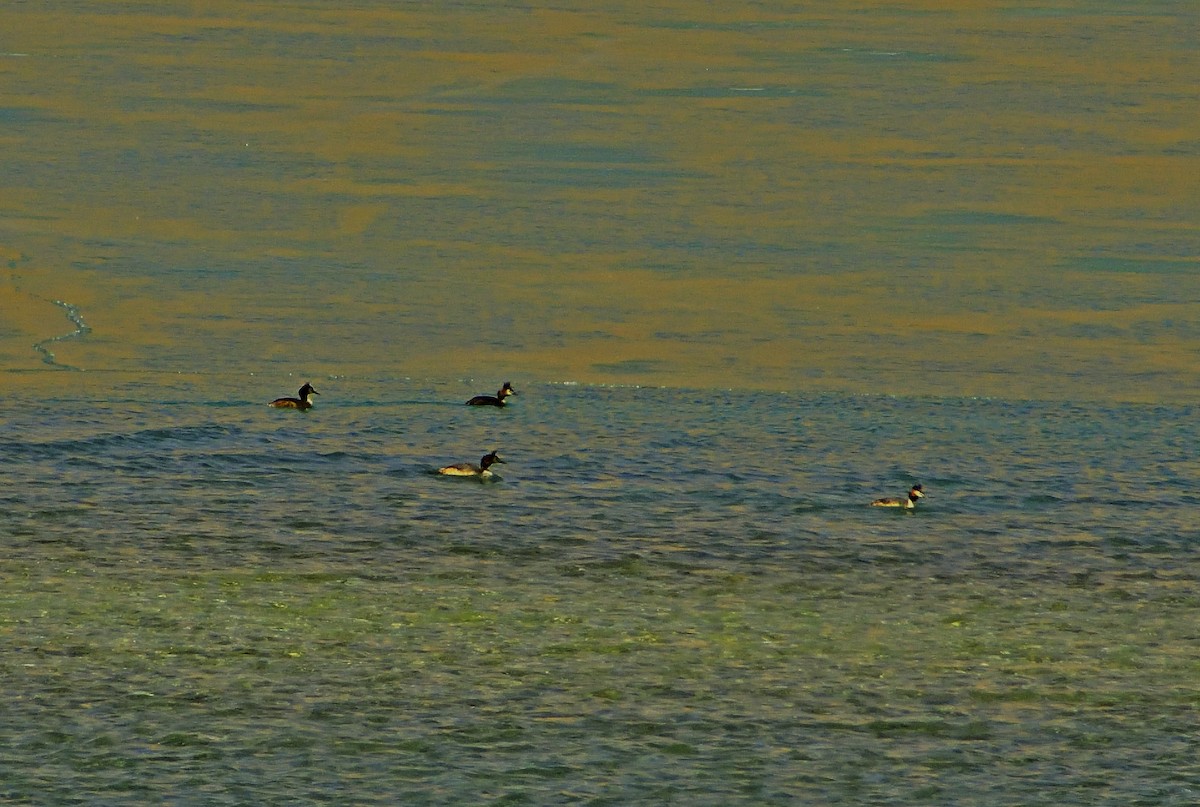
(908, 503)
(493, 400)
(469, 469)
(302, 403)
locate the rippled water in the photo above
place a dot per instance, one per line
(670, 596)
(750, 266)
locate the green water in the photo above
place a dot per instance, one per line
(624, 682)
(669, 597)
(960, 237)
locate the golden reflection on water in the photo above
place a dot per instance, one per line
(939, 198)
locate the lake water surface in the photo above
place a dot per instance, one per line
(749, 267)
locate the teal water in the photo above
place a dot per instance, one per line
(749, 267)
(670, 596)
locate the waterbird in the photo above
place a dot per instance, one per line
(493, 400)
(907, 503)
(301, 403)
(470, 469)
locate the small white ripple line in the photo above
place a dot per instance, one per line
(82, 329)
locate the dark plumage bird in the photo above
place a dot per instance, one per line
(493, 400)
(302, 403)
(470, 469)
(907, 503)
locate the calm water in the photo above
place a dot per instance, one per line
(888, 198)
(749, 268)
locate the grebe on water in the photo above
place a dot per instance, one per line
(907, 503)
(302, 403)
(470, 469)
(493, 400)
